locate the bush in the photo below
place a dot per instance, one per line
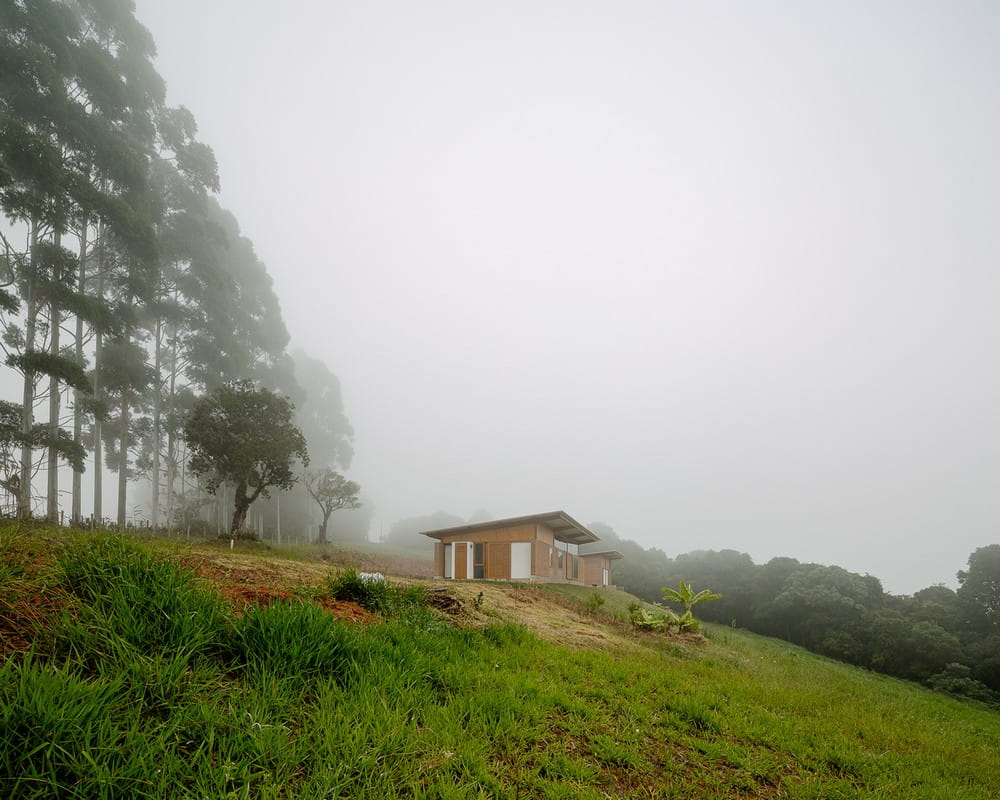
(371, 591)
(594, 602)
(367, 590)
(957, 679)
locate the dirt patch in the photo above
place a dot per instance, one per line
(539, 611)
(244, 596)
(242, 570)
(443, 600)
(346, 609)
(27, 615)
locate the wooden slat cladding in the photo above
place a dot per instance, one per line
(498, 561)
(439, 559)
(544, 534)
(540, 559)
(593, 570)
(522, 533)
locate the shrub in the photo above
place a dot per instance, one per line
(957, 679)
(371, 591)
(662, 619)
(366, 589)
(594, 602)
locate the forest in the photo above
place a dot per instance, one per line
(129, 293)
(947, 639)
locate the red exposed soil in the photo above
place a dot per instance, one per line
(345, 609)
(243, 597)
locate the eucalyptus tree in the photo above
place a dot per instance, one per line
(36, 62)
(320, 412)
(185, 171)
(237, 330)
(76, 90)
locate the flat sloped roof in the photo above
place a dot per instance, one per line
(611, 555)
(565, 528)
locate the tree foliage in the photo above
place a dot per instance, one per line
(246, 436)
(113, 228)
(945, 638)
(331, 491)
(980, 584)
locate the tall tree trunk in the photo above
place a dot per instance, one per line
(98, 355)
(28, 394)
(52, 464)
(76, 513)
(157, 400)
(52, 493)
(171, 435)
(123, 460)
(98, 444)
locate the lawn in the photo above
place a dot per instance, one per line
(127, 675)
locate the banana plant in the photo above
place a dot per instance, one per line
(687, 596)
(659, 619)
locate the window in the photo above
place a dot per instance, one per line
(479, 560)
(574, 567)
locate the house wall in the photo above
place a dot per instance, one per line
(537, 560)
(438, 558)
(519, 533)
(592, 570)
(542, 562)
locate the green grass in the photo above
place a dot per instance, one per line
(615, 603)
(145, 685)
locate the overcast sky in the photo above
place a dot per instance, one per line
(720, 275)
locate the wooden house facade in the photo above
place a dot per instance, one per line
(540, 548)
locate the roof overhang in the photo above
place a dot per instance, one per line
(611, 555)
(564, 527)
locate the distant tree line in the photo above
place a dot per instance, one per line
(126, 291)
(947, 639)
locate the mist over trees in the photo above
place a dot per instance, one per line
(127, 292)
(948, 639)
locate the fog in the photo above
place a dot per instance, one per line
(718, 275)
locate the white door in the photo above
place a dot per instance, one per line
(520, 561)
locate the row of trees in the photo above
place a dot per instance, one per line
(127, 291)
(946, 638)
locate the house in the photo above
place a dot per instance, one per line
(542, 548)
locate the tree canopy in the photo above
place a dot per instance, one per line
(244, 435)
(331, 491)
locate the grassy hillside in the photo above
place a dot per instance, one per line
(135, 670)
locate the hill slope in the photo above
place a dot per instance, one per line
(127, 675)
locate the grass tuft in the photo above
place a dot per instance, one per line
(296, 641)
(134, 603)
